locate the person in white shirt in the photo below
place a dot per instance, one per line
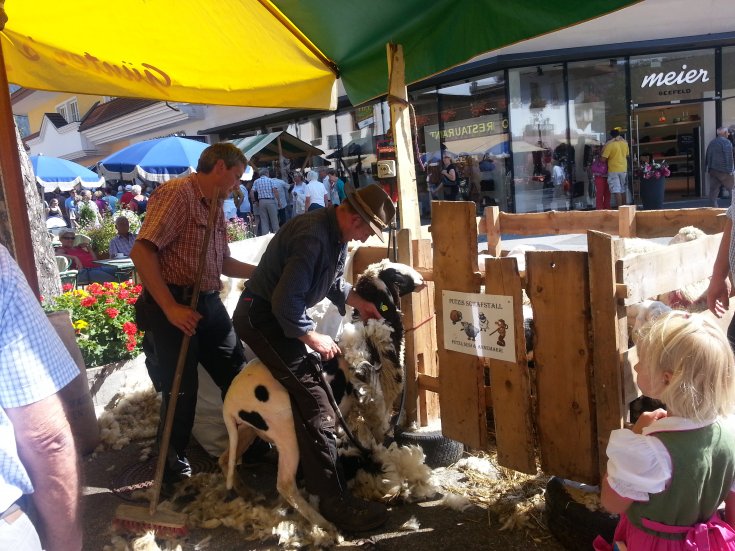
(299, 194)
(316, 193)
(124, 240)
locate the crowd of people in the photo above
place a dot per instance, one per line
(269, 201)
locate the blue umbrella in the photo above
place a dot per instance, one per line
(53, 173)
(156, 160)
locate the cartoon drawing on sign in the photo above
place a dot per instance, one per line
(484, 322)
(502, 328)
(455, 316)
(470, 330)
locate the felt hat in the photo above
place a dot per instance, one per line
(129, 188)
(374, 205)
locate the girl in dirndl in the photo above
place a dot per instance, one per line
(668, 475)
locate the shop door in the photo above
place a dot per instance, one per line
(675, 134)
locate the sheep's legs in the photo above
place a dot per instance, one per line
(288, 462)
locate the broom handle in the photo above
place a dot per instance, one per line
(183, 351)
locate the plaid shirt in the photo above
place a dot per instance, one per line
(175, 222)
(34, 364)
(264, 186)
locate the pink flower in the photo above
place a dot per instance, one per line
(66, 287)
(124, 293)
(112, 312)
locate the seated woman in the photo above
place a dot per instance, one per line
(54, 216)
(82, 259)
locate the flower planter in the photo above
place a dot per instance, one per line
(106, 381)
(652, 193)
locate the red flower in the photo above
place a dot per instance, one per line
(108, 285)
(88, 301)
(67, 287)
(109, 300)
(41, 297)
(132, 300)
(129, 328)
(96, 289)
(124, 293)
(131, 343)
(137, 289)
(112, 312)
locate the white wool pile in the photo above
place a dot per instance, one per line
(211, 508)
(687, 233)
(482, 465)
(146, 542)
(327, 318)
(456, 502)
(133, 417)
(404, 475)
(636, 245)
(411, 525)
(642, 312)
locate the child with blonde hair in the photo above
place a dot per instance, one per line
(668, 474)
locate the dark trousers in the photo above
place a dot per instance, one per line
(214, 345)
(291, 365)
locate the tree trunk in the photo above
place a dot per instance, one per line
(48, 273)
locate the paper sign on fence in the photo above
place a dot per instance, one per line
(479, 325)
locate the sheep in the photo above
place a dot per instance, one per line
(366, 380)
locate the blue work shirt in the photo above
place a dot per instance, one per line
(303, 263)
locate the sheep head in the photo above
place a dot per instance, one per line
(384, 282)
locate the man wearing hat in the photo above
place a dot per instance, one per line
(303, 263)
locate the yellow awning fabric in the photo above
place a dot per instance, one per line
(223, 53)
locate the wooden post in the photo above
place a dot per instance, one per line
(18, 239)
(626, 221)
(610, 334)
(400, 122)
(492, 229)
(461, 376)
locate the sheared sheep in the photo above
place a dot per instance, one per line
(366, 380)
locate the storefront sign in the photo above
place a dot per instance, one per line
(656, 79)
(466, 128)
(479, 325)
(364, 116)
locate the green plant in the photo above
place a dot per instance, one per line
(103, 234)
(103, 317)
(87, 217)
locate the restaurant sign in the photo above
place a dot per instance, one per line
(656, 80)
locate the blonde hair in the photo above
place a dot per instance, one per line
(698, 357)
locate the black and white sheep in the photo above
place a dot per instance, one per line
(366, 381)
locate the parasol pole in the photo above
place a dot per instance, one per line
(16, 236)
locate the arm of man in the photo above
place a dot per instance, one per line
(46, 448)
(718, 291)
(145, 257)
(232, 267)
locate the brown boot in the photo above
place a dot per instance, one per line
(352, 514)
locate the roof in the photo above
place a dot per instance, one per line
(110, 110)
(264, 147)
(56, 119)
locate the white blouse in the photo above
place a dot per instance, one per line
(639, 464)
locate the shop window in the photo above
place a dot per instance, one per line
(24, 127)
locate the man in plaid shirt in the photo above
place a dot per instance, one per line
(267, 193)
(166, 256)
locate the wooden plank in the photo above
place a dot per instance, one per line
(558, 287)
(510, 384)
(651, 274)
(427, 360)
(400, 121)
(461, 376)
(492, 227)
(427, 382)
(610, 410)
(554, 222)
(663, 223)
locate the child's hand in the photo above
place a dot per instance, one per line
(647, 418)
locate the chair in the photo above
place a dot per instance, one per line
(67, 275)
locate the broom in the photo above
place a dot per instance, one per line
(136, 519)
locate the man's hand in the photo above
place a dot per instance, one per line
(183, 317)
(718, 296)
(323, 344)
(365, 308)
